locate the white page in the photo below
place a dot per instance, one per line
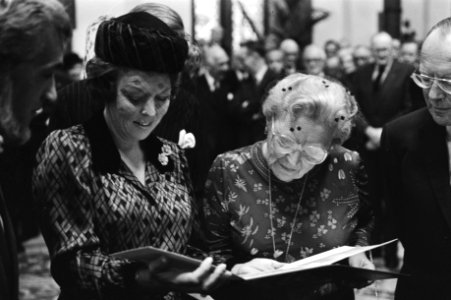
(322, 259)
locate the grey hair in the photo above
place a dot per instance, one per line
(22, 24)
(319, 99)
(444, 26)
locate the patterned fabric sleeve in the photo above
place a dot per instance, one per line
(365, 215)
(64, 188)
(218, 229)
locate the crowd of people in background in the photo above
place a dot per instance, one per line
(221, 97)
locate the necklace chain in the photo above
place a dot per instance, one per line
(298, 206)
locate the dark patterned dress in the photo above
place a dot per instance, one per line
(91, 205)
(334, 207)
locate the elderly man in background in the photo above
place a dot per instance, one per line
(416, 151)
(274, 60)
(214, 89)
(409, 53)
(33, 36)
(383, 92)
(313, 60)
(362, 56)
(249, 96)
(290, 49)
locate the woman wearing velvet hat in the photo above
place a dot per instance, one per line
(110, 185)
(294, 194)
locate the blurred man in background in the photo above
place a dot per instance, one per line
(33, 36)
(314, 60)
(362, 56)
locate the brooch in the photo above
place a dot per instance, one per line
(163, 156)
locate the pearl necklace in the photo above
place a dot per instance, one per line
(278, 252)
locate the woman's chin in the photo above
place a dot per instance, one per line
(286, 174)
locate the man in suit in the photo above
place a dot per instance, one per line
(214, 89)
(383, 91)
(247, 104)
(33, 36)
(416, 152)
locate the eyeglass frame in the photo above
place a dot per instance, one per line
(299, 147)
(414, 76)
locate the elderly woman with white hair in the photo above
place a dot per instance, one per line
(296, 193)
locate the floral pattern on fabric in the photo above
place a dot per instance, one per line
(334, 209)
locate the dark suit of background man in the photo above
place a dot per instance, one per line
(246, 106)
(33, 35)
(383, 92)
(214, 89)
(417, 160)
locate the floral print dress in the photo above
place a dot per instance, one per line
(334, 207)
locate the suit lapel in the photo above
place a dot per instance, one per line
(436, 160)
(392, 73)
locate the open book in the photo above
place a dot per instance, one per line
(322, 259)
(313, 269)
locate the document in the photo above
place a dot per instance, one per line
(311, 270)
(322, 259)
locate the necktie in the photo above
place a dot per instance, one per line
(377, 81)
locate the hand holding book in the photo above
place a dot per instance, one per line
(256, 266)
(265, 274)
(159, 275)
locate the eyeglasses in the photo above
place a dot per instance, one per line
(283, 144)
(425, 82)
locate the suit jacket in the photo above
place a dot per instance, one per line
(9, 274)
(416, 167)
(218, 130)
(392, 99)
(249, 117)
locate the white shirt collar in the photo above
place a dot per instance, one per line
(386, 70)
(260, 74)
(211, 81)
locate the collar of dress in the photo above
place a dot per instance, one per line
(105, 155)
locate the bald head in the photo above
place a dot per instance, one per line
(216, 61)
(435, 61)
(290, 51)
(313, 59)
(289, 46)
(382, 47)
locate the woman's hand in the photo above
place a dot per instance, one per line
(158, 276)
(257, 265)
(361, 261)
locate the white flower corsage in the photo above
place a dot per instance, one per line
(186, 140)
(163, 156)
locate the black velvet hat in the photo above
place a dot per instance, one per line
(141, 41)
